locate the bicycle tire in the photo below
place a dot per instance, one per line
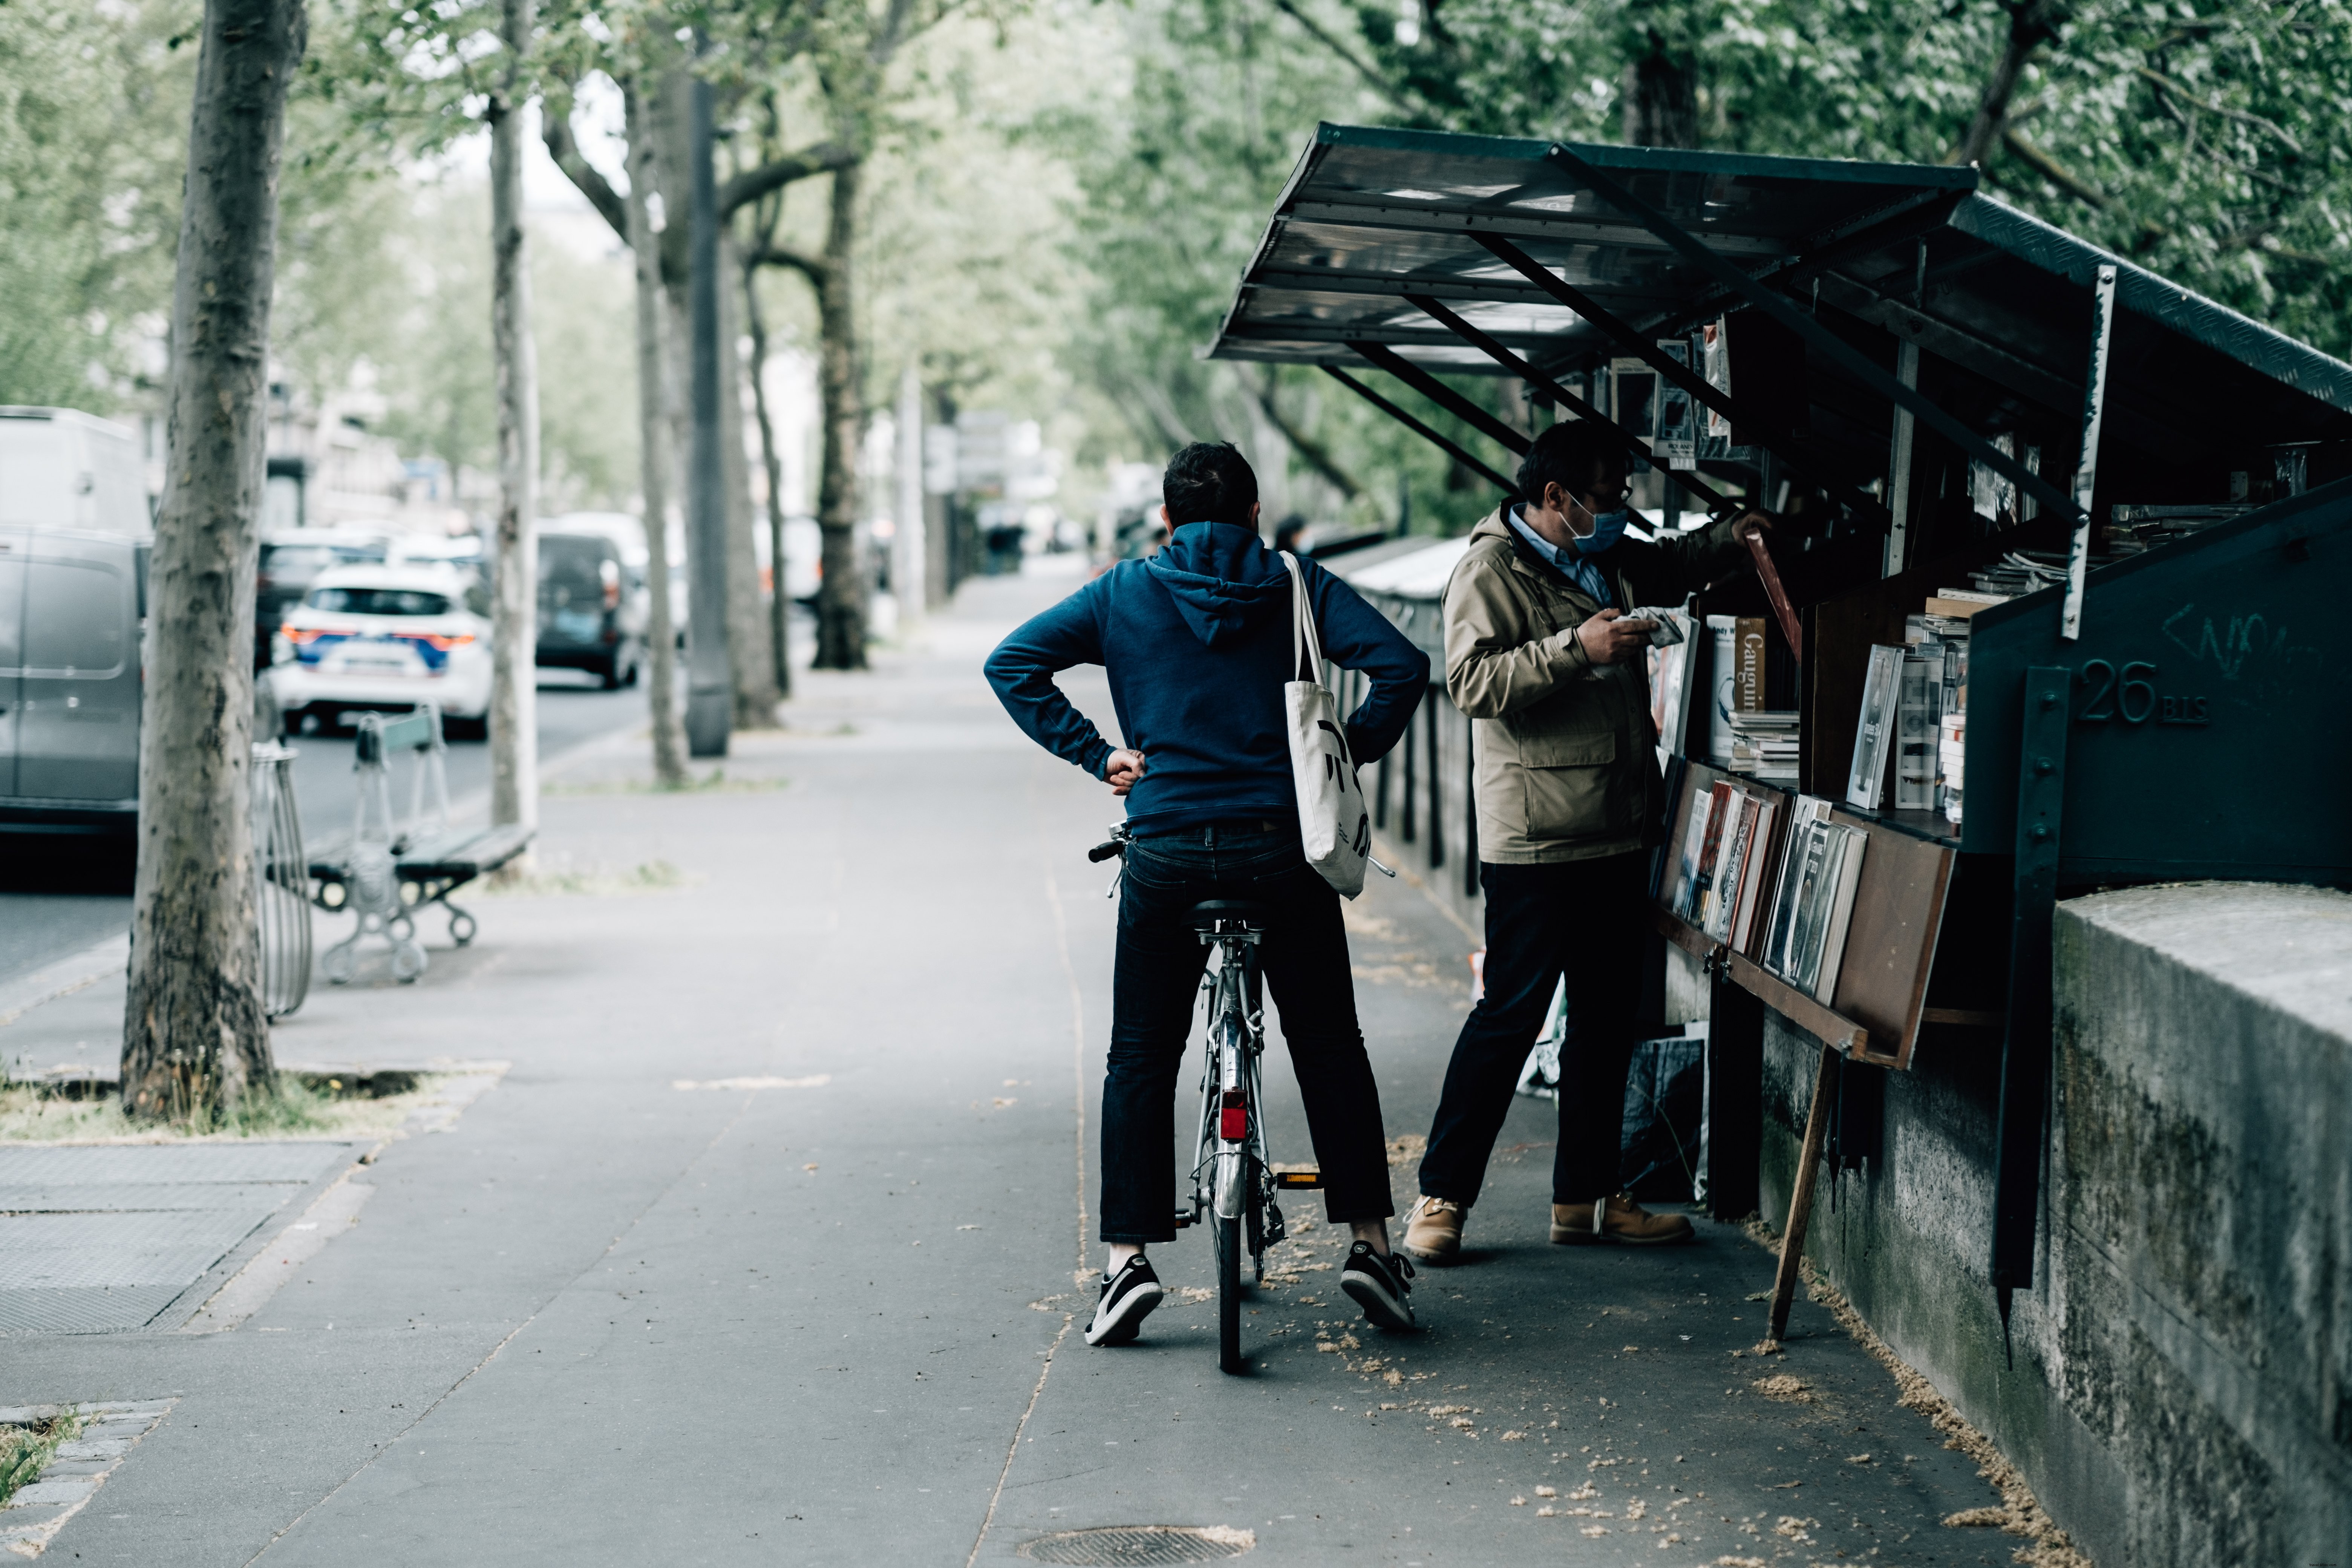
(1229, 1295)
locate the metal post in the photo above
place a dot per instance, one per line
(709, 692)
(2025, 1049)
(1421, 430)
(1445, 396)
(1898, 466)
(2087, 470)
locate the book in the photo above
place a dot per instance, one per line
(1723, 642)
(1694, 842)
(1838, 889)
(1960, 604)
(1723, 897)
(1882, 691)
(1719, 805)
(1748, 664)
(1921, 704)
(1756, 876)
(1801, 868)
(1672, 666)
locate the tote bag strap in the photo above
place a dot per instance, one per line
(1305, 648)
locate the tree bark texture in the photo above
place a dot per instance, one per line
(779, 602)
(656, 415)
(841, 597)
(2031, 24)
(1660, 90)
(194, 1038)
(754, 665)
(514, 621)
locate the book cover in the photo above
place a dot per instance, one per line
(1756, 880)
(1722, 680)
(1730, 865)
(1747, 664)
(1824, 846)
(1915, 731)
(1693, 840)
(1789, 896)
(1710, 851)
(1839, 894)
(1882, 691)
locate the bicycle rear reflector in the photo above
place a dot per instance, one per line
(1233, 1118)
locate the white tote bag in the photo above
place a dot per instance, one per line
(1333, 820)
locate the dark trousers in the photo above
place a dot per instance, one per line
(1155, 987)
(1582, 919)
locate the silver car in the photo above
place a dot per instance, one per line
(71, 605)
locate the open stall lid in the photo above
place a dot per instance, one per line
(1563, 256)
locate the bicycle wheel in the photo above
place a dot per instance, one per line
(1229, 1294)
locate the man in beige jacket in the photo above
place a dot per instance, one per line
(1540, 653)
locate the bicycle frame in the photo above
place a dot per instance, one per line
(1233, 1175)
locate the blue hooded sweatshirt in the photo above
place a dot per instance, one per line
(1197, 642)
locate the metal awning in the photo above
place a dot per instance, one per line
(1417, 251)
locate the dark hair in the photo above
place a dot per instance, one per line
(1570, 455)
(1209, 481)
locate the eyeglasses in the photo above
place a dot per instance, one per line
(1617, 497)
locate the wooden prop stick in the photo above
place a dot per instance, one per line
(1781, 608)
(1801, 1202)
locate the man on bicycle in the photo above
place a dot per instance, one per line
(1197, 644)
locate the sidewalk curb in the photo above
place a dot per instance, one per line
(64, 976)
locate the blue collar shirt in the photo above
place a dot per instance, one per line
(1571, 563)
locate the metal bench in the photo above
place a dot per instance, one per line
(387, 871)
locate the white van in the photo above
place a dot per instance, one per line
(71, 605)
(60, 467)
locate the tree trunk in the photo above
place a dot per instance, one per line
(747, 621)
(194, 1038)
(779, 602)
(841, 597)
(1660, 90)
(2031, 25)
(514, 622)
(657, 401)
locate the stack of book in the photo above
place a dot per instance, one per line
(1764, 745)
(2132, 528)
(1951, 750)
(1725, 874)
(1812, 904)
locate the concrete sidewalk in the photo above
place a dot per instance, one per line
(631, 1307)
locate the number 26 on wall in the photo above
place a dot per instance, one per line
(2130, 695)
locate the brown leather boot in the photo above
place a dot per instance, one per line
(1433, 1229)
(1619, 1219)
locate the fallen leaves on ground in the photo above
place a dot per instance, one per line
(1783, 1387)
(1977, 1518)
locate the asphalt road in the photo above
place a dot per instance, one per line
(771, 1245)
(60, 893)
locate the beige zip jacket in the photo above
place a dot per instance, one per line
(1565, 765)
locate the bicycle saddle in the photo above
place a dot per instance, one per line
(1247, 911)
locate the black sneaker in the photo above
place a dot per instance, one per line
(1127, 1298)
(1378, 1285)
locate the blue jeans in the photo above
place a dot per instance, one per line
(1154, 986)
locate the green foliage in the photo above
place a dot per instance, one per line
(2210, 143)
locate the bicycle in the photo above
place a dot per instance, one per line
(1233, 1176)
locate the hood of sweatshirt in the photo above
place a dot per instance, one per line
(1221, 578)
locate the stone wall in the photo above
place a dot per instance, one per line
(2181, 1392)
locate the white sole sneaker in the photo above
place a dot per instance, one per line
(1118, 1317)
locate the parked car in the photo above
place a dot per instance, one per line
(593, 603)
(290, 562)
(71, 605)
(388, 638)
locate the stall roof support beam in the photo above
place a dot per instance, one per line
(1445, 396)
(2087, 470)
(1421, 430)
(1560, 395)
(1777, 305)
(1744, 417)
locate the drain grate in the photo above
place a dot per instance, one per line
(1118, 1545)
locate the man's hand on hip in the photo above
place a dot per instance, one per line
(1609, 638)
(1122, 770)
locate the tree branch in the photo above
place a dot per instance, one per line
(2050, 169)
(1318, 456)
(556, 130)
(811, 268)
(2031, 23)
(1364, 67)
(2168, 85)
(823, 158)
